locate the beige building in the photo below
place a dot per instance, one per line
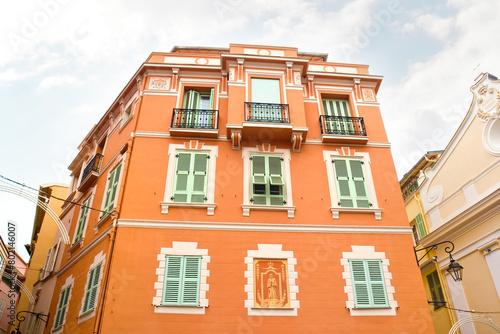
(42, 256)
(455, 196)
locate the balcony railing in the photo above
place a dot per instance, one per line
(93, 166)
(409, 187)
(266, 112)
(195, 119)
(341, 125)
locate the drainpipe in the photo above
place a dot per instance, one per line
(115, 214)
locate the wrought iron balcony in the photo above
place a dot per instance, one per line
(266, 112)
(91, 172)
(195, 119)
(409, 187)
(341, 125)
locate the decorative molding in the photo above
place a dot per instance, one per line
(337, 210)
(209, 206)
(157, 83)
(247, 207)
(271, 251)
(293, 228)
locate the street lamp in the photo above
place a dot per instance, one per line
(454, 268)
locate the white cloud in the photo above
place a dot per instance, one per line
(58, 80)
(436, 26)
(10, 76)
(425, 108)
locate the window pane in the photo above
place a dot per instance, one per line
(265, 90)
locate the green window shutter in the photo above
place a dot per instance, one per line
(359, 182)
(191, 99)
(377, 283)
(265, 90)
(340, 124)
(81, 221)
(435, 289)
(182, 280)
(420, 226)
(191, 177)
(360, 283)
(200, 171)
(61, 308)
(212, 98)
(267, 180)
(191, 281)
(172, 281)
(91, 290)
(368, 283)
(112, 186)
(352, 189)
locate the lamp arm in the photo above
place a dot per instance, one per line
(448, 249)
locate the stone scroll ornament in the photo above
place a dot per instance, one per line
(271, 283)
(488, 102)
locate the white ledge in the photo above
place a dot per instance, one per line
(246, 209)
(209, 206)
(336, 212)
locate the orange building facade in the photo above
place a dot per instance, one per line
(246, 189)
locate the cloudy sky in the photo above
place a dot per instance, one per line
(63, 62)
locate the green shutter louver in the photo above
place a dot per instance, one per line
(190, 182)
(435, 289)
(337, 117)
(91, 290)
(82, 219)
(422, 232)
(352, 189)
(368, 283)
(182, 280)
(268, 185)
(61, 308)
(113, 179)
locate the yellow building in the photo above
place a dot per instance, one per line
(453, 195)
(42, 240)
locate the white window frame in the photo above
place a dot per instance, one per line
(367, 253)
(68, 283)
(346, 152)
(192, 146)
(181, 248)
(247, 206)
(132, 103)
(271, 251)
(98, 259)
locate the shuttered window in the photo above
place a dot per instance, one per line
(198, 106)
(368, 284)
(422, 232)
(182, 280)
(352, 190)
(190, 182)
(61, 307)
(84, 210)
(91, 289)
(110, 194)
(337, 117)
(435, 289)
(268, 185)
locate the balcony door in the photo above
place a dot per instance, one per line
(266, 91)
(337, 117)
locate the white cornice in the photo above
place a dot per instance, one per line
(224, 226)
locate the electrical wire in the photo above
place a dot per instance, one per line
(47, 195)
(469, 311)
